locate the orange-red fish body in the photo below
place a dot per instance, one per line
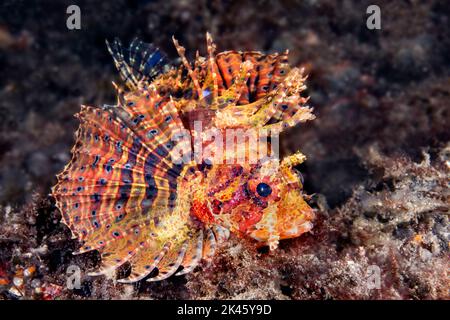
(152, 181)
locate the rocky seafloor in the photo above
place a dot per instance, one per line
(378, 152)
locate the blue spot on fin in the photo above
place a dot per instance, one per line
(140, 61)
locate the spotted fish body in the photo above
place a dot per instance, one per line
(124, 195)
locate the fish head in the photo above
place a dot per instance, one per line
(264, 202)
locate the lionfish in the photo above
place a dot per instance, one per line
(123, 195)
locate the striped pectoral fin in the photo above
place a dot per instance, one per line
(120, 170)
(170, 262)
(118, 252)
(155, 122)
(112, 232)
(105, 177)
(146, 260)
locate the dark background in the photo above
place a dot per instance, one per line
(381, 98)
(387, 86)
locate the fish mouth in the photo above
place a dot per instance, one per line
(283, 224)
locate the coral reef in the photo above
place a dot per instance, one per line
(378, 153)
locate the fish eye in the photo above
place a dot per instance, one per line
(263, 189)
